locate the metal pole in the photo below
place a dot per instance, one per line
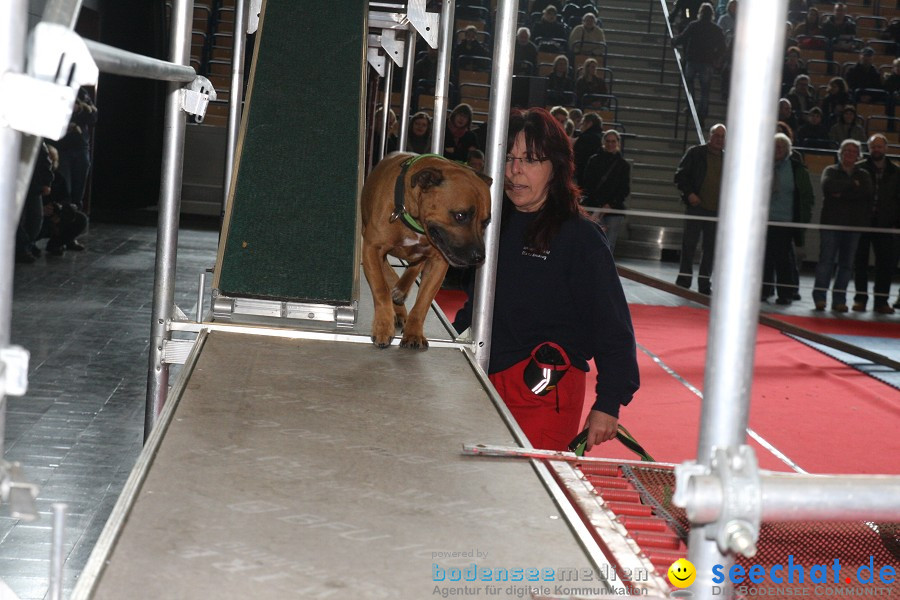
(501, 93)
(442, 83)
(122, 62)
(411, 38)
(56, 550)
(236, 96)
(385, 105)
(169, 207)
(13, 25)
(790, 497)
(744, 206)
(61, 12)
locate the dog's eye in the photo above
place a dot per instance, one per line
(462, 217)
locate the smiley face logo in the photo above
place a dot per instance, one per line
(682, 573)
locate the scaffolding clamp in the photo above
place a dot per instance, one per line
(726, 495)
(40, 101)
(195, 97)
(17, 492)
(13, 371)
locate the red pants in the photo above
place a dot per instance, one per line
(537, 415)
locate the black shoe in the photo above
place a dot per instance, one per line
(25, 258)
(35, 251)
(686, 284)
(784, 301)
(55, 250)
(706, 292)
(75, 246)
(796, 296)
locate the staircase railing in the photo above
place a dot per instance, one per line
(670, 37)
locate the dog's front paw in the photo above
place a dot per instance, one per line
(414, 341)
(382, 334)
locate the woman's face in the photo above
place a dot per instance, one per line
(560, 67)
(420, 127)
(527, 182)
(460, 120)
(611, 144)
(590, 68)
(848, 116)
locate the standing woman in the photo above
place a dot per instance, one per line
(607, 182)
(558, 300)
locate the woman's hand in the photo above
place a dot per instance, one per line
(601, 428)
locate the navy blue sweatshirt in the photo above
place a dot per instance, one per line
(570, 295)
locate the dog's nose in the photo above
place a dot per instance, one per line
(477, 256)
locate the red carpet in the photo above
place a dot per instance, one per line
(825, 416)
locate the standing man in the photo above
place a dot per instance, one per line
(589, 143)
(885, 213)
(846, 201)
(699, 179)
(704, 46)
(792, 202)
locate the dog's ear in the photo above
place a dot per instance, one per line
(486, 179)
(427, 178)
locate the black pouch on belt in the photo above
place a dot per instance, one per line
(547, 366)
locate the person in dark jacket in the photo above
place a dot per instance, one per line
(885, 213)
(75, 148)
(587, 144)
(814, 133)
(549, 27)
(847, 192)
(526, 53)
(864, 76)
(607, 183)
(699, 178)
(459, 137)
(791, 201)
(704, 47)
(557, 293)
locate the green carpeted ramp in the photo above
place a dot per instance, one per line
(290, 232)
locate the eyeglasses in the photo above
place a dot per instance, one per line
(527, 161)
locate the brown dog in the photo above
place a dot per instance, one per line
(428, 211)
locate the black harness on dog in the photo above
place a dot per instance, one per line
(399, 206)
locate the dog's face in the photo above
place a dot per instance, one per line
(454, 208)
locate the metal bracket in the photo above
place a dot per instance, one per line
(374, 54)
(253, 20)
(426, 23)
(224, 307)
(726, 494)
(195, 98)
(175, 352)
(13, 371)
(393, 47)
(40, 102)
(17, 492)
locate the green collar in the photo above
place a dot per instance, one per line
(399, 207)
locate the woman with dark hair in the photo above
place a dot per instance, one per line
(558, 300)
(418, 139)
(835, 99)
(459, 137)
